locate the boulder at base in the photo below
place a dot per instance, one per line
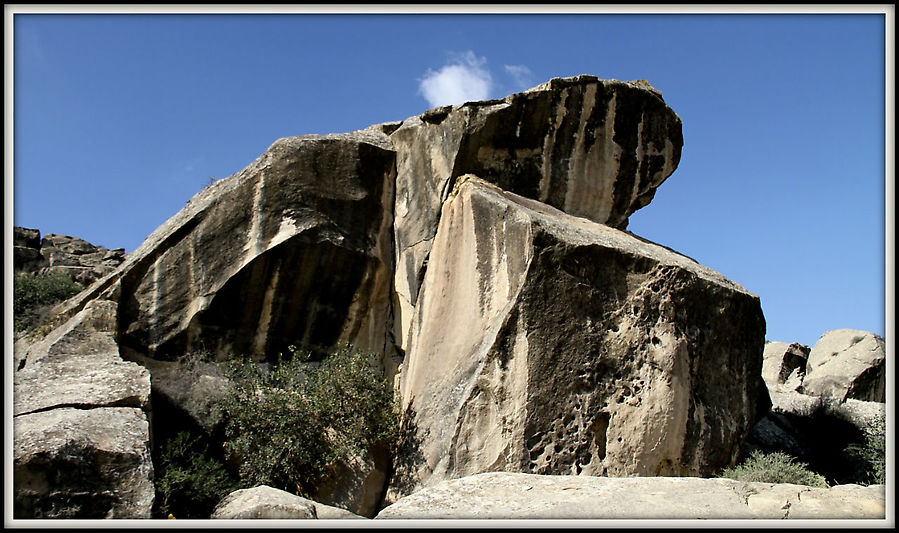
(550, 344)
(83, 463)
(501, 495)
(264, 502)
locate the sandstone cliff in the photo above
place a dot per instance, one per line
(480, 250)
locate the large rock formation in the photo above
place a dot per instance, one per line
(592, 148)
(483, 243)
(550, 344)
(510, 496)
(264, 502)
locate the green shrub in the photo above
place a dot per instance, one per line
(288, 426)
(871, 456)
(32, 293)
(190, 483)
(774, 467)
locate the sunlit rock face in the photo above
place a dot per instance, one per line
(294, 249)
(589, 147)
(549, 344)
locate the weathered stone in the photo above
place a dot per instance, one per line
(82, 463)
(81, 380)
(28, 259)
(847, 363)
(264, 502)
(527, 496)
(781, 361)
(550, 344)
(294, 249)
(356, 484)
(26, 237)
(590, 147)
(90, 332)
(67, 244)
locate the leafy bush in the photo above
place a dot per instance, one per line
(190, 482)
(871, 456)
(32, 293)
(289, 425)
(776, 467)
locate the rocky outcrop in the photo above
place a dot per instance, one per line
(264, 502)
(75, 257)
(550, 344)
(526, 496)
(81, 444)
(847, 363)
(589, 147)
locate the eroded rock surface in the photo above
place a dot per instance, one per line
(550, 344)
(501, 495)
(847, 363)
(75, 257)
(589, 147)
(784, 365)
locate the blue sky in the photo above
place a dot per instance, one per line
(120, 119)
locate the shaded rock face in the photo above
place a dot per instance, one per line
(525, 496)
(549, 344)
(847, 363)
(784, 364)
(589, 147)
(295, 249)
(75, 257)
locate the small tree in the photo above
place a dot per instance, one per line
(290, 424)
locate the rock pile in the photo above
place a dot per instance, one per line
(481, 251)
(77, 258)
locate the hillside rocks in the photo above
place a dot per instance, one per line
(589, 147)
(847, 363)
(75, 257)
(527, 496)
(550, 344)
(784, 365)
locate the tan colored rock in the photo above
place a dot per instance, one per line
(82, 463)
(551, 344)
(264, 502)
(847, 363)
(499, 495)
(589, 147)
(90, 332)
(784, 365)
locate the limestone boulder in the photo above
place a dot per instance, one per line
(784, 364)
(847, 363)
(82, 463)
(294, 249)
(501, 495)
(264, 502)
(550, 344)
(589, 147)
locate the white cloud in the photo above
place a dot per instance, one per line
(465, 79)
(522, 76)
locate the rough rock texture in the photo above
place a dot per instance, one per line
(294, 249)
(82, 463)
(526, 496)
(79, 259)
(550, 344)
(847, 363)
(784, 365)
(589, 147)
(264, 502)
